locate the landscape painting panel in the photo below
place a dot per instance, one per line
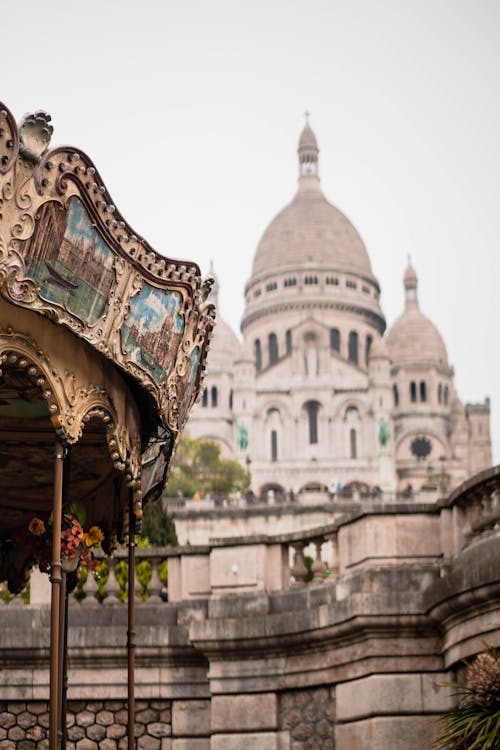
(152, 331)
(69, 261)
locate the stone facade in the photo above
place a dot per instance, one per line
(319, 395)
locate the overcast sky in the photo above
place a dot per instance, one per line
(192, 111)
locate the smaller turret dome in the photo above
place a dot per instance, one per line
(413, 338)
(225, 345)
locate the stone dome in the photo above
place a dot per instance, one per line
(310, 231)
(225, 345)
(413, 337)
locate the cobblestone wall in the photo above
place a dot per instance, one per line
(99, 725)
(309, 716)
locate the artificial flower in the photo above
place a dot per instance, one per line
(36, 526)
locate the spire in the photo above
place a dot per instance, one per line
(308, 158)
(410, 282)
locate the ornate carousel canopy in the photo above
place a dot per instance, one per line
(102, 340)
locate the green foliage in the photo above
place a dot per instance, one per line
(158, 527)
(475, 723)
(198, 467)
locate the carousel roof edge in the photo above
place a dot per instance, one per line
(68, 254)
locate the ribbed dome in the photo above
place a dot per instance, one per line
(413, 338)
(311, 230)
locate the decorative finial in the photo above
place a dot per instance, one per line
(35, 132)
(206, 287)
(307, 115)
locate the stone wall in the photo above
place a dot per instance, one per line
(308, 716)
(92, 725)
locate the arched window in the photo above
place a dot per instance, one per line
(231, 398)
(413, 391)
(369, 341)
(423, 391)
(352, 443)
(258, 355)
(395, 393)
(288, 341)
(353, 347)
(213, 394)
(273, 349)
(335, 339)
(274, 445)
(440, 393)
(312, 408)
(446, 395)
(352, 418)
(204, 398)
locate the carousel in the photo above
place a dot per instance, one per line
(103, 345)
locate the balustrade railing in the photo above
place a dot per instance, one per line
(109, 584)
(475, 508)
(279, 561)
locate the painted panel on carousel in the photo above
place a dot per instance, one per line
(152, 331)
(69, 261)
(187, 384)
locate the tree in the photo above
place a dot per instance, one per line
(198, 467)
(158, 526)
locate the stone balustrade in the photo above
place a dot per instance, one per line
(471, 513)
(250, 500)
(378, 534)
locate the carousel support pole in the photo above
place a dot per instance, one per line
(63, 658)
(131, 623)
(63, 630)
(55, 604)
(63, 687)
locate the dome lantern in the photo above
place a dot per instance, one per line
(410, 281)
(308, 152)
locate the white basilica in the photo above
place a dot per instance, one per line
(319, 397)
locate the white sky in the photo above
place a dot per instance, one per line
(192, 110)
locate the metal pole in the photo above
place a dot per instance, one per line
(55, 604)
(63, 664)
(131, 624)
(63, 670)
